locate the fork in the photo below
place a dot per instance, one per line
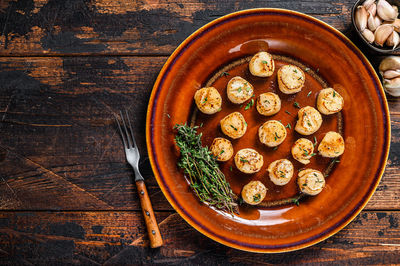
(133, 156)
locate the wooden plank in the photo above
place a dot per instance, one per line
(60, 150)
(117, 238)
(58, 27)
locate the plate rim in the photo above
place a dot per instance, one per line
(315, 238)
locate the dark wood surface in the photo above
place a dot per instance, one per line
(66, 192)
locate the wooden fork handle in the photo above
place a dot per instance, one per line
(149, 217)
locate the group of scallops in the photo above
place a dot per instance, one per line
(272, 133)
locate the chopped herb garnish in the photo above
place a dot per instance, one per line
(249, 104)
(266, 101)
(309, 93)
(233, 127)
(309, 124)
(317, 70)
(243, 160)
(230, 168)
(306, 153)
(275, 148)
(334, 94)
(201, 125)
(304, 185)
(248, 89)
(296, 104)
(286, 111)
(225, 74)
(313, 154)
(295, 70)
(300, 78)
(257, 197)
(296, 201)
(245, 123)
(276, 136)
(288, 126)
(240, 89)
(264, 62)
(315, 141)
(205, 100)
(168, 116)
(222, 152)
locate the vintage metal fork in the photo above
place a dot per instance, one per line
(133, 156)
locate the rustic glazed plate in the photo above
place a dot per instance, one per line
(224, 47)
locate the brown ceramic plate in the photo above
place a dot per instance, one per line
(329, 59)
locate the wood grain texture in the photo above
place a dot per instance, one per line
(67, 146)
(58, 27)
(119, 238)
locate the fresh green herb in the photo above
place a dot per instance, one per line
(222, 151)
(205, 100)
(313, 154)
(249, 104)
(336, 161)
(264, 62)
(202, 170)
(201, 125)
(315, 174)
(168, 115)
(309, 93)
(288, 126)
(225, 74)
(296, 201)
(257, 197)
(296, 104)
(275, 148)
(295, 70)
(315, 141)
(230, 168)
(276, 136)
(266, 101)
(245, 123)
(243, 160)
(300, 78)
(248, 89)
(317, 70)
(304, 185)
(334, 94)
(306, 153)
(240, 89)
(309, 124)
(234, 127)
(288, 112)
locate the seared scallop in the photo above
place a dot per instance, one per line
(254, 192)
(329, 101)
(311, 182)
(239, 90)
(233, 125)
(262, 65)
(248, 161)
(290, 79)
(208, 100)
(222, 149)
(332, 145)
(272, 133)
(310, 120)
(280, 171)
(303, 150)
(268, 103)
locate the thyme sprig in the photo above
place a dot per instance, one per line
(202, 171)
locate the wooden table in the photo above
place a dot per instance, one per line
(66, 192)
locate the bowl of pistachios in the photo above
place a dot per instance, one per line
(377, 24)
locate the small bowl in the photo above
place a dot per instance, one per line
(385, 49)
